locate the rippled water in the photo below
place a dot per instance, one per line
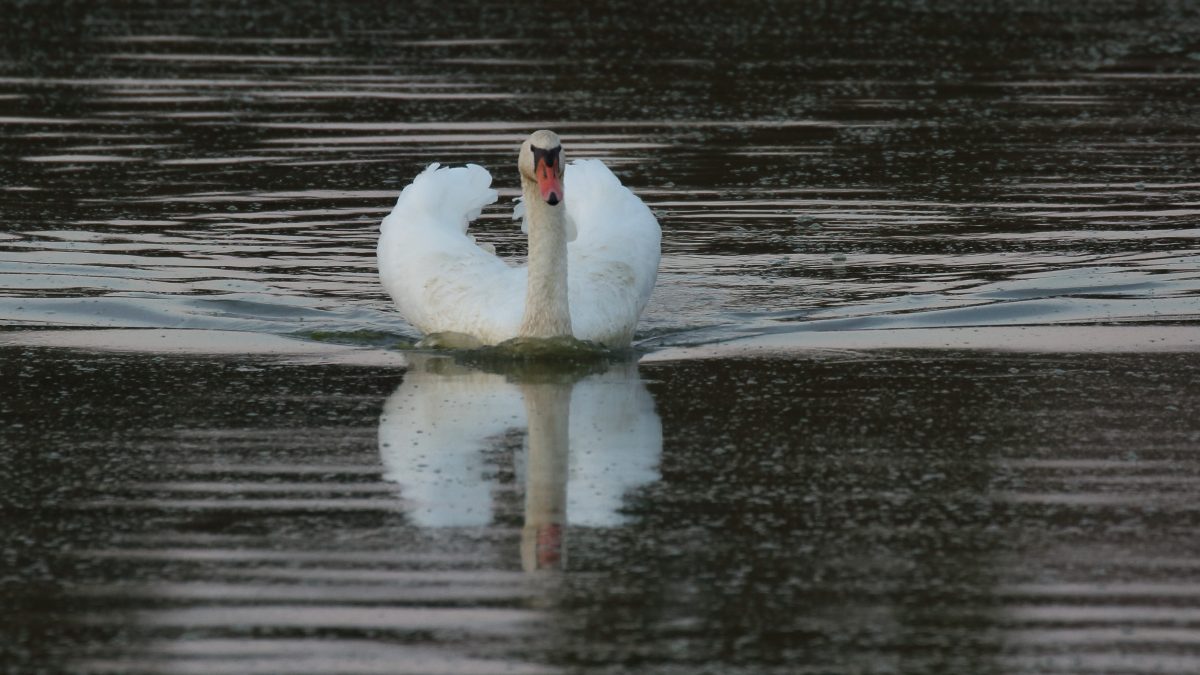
(920, 359)
(192, 178)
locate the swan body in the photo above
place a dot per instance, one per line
(593, 258)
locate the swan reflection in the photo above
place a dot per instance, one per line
(579, 441)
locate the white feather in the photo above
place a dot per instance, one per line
(442, 281)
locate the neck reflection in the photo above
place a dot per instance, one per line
(575, 442)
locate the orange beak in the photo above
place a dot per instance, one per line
(548, 179)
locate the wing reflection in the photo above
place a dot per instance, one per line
(576, 441)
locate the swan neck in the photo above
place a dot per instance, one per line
(547, 312)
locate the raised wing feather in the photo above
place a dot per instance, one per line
(440, 280)
(613, 262)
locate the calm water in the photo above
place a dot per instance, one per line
(919, 378)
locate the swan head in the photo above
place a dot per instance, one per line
(541, 162)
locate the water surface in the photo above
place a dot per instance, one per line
(915, 385)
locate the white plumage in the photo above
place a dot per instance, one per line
(443, 281)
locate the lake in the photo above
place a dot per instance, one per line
(915, 391)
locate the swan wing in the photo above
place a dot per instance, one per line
(439, 278)
(613, 261)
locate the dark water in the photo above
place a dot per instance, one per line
(919, 379)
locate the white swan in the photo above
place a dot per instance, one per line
(593, 253)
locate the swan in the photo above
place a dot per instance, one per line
(593, 253)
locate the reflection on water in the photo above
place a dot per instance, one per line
(913, 512)
(459, 441)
